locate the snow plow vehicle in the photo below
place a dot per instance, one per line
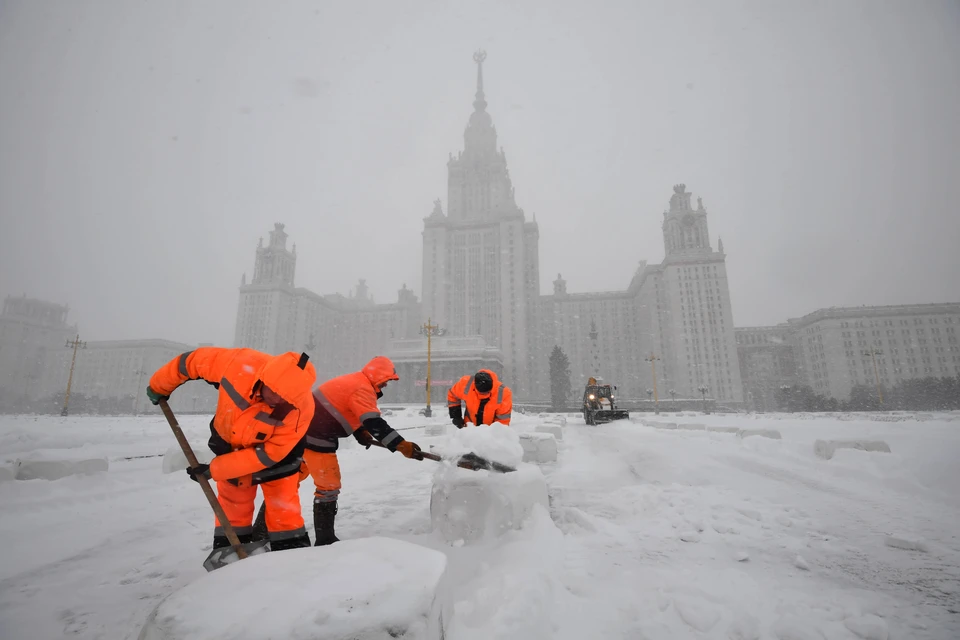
(598, 403)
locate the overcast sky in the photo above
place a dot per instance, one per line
(145, 147)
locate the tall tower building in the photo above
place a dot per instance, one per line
(481, 273)
(694, 317)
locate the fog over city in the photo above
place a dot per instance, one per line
(146, 147)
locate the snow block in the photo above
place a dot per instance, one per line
(472, 505)
(908, 543)
(175, 462)
(56, 469)
(358, 589)
(692, 426)
(724, 429)
(435, 429)
(763, 433)
(538, 447)
(555, 430)
(556, 419)
(826, 448)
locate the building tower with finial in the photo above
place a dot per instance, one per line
(694, 312)
(481, 272)
(275, 264)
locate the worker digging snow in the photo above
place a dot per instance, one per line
(345, 406)
(257, 433)
(488, 400)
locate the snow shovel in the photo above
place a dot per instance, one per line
(467, 461)
(237, 550)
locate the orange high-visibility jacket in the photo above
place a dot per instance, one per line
(498, 405)
(259, 440)
(349, 400)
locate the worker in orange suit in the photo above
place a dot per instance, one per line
(258, 433)
(488, 400)
(345, 406)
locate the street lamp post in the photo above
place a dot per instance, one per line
(649, 394)
(652, 359)
(873, 353)
(703, 394)
(76, 343)
(429, 330)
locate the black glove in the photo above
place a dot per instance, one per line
(199, 470)
(155, 397)
(458, 423)
(456, 416)
(364, 437)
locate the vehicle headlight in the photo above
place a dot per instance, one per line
(592, 397)
(612, 397)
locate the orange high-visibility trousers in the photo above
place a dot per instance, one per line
(282, 498)
(325, 470)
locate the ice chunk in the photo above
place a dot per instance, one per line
(471, 505)
(724, 429)
(826, 448)
(690, 536)
(763, 433)
(557, 419)
(56, 469)
(359, 589)
(741, 556)
(555, 430)
(538, 447)
(801, 564)
(868, 627)
(174, 461)
(495, 442)
(910, 543)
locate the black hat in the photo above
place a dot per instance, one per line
(484, 381)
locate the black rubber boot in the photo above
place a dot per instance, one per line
(290, 543)
(220, 542)
(324, 514)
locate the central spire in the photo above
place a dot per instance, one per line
(480, 104)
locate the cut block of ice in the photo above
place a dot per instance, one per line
(763, 433)
(724, 429)
(692, 426)
(538, 447)
(56, 469)
(826, 448)
(557, 419)
(472, 505)
(435, 429)
(909, 543)
(555, 430)
(175, 462)
(359, 589)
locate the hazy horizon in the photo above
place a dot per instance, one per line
(144, 149)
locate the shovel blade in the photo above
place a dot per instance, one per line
(228, 555)
(476, 463)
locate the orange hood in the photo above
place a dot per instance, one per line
(287, 376)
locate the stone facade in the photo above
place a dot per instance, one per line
(677, 312)
(835, 346)
(341, 332)
(768, 360)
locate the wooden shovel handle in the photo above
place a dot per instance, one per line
(202, 480)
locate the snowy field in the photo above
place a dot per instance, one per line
(651, 533)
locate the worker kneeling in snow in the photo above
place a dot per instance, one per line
(257, 433)
(345, 406)
(488, 400)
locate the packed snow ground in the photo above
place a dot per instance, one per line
(650, 534)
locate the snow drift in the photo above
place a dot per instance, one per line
(365, 589)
